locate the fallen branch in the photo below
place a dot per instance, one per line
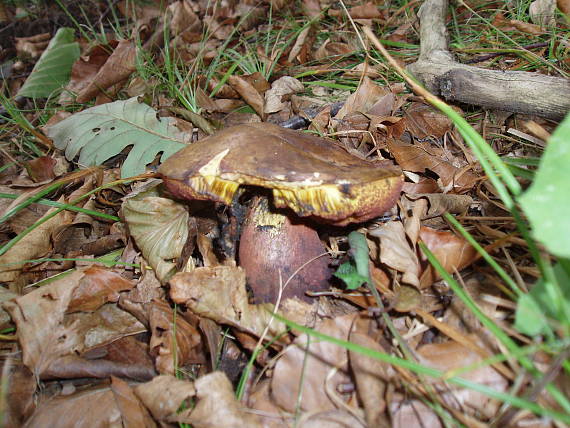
(516, 91)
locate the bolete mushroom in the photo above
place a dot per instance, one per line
(314, 177)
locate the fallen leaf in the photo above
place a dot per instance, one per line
(34, 245)
(217, 406)
(159, 226)
(133, 413)
(421, 156)
(32, 46)
(564, 6)
(164, 395)
(542, 12)
(305, 365)
(452, 251)
(97, 287)
(365, 96)
(248, 92)
(173, 344)
(93, 407)
(85, 69)
(117, 68)
(424, 121)
(396, 252)
(219, 293)
(282, 87)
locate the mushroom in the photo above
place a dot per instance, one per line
(312, 176)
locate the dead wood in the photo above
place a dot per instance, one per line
(516, 91)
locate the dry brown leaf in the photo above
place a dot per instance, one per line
(97, 287)
(133, 413)
(407, 413)
(440, 203)
(117, 68)
(164, 395)
(41, 169)
(299, 51)
(332, 418)
(219, 293)
(85, 69)
(311, 8)
(95, 407)
(281, 88)
(365, 11)
(396, 252)
(260, 402)
(168, 338)
(365, 96)
(18, 401)
(183, 18)
(451, 356)
(542, 12)
(46, 333)
(421, 156)
(371, 375)
(452, 251)
(564, 6)
(248, 92)
(425, 121)
(313, 369)
(217, 406)
(32, 46)
(34, 245)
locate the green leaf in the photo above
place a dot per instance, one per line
(101, 132)
(535, 308)
(348, 273)
(53, 69)
(547, 201)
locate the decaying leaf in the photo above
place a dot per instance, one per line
(159, 226)
(219, 293)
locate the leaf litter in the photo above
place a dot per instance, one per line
(168, 330)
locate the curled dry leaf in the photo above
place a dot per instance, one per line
(396, 252)
(424, 121)
(46, 333)
(217, 406)
(282, 87)
(219, 293)
(34, 245)
(370, 374)
(32, 46)
(304, 368)
(133, 413)
(84, 71)
(159, 227)
(452, 251)
(249, 93)
(164, 396)
(365, 96)
(215, 403)
(169, 338)
(440, 203)
(117, 68)
(183, 19)
(421, 156)
(97, 287)
(93, 407)
(450, 356)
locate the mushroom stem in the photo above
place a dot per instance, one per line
(272, 251)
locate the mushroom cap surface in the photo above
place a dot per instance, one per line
(311, 175)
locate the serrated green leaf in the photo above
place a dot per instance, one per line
(547, 201)
(349, 274)
(101, 132)
(53, 69)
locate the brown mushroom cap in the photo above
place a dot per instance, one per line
(313, 176)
